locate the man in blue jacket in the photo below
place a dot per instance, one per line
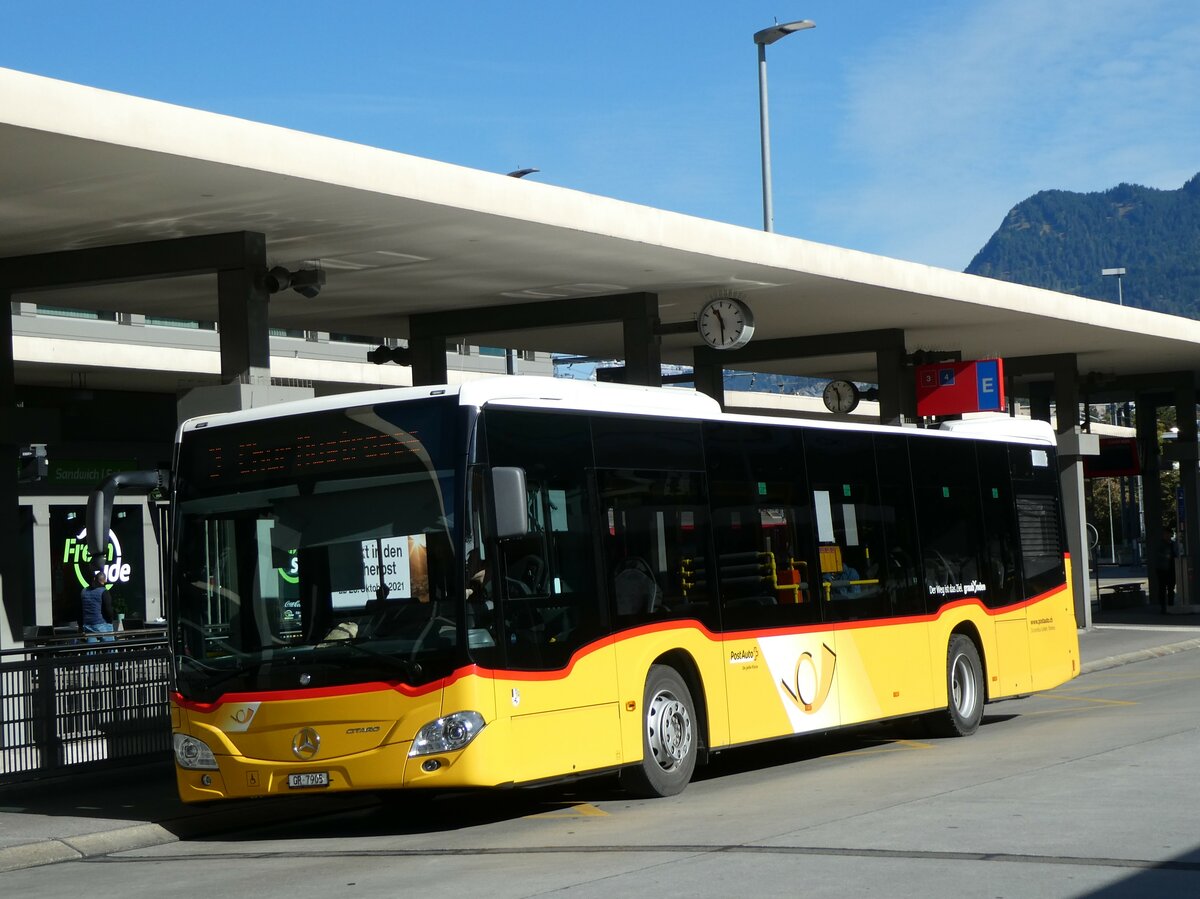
(97, 610)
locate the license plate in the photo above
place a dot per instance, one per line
(309, 779)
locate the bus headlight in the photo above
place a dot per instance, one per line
(192, 753)
(447, 734)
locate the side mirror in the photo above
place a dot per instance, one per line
(512, 509)
(99, 507)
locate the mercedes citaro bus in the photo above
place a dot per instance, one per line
(520, 580)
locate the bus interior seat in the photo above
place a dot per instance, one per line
(635, 588)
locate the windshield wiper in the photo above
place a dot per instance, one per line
(246, 667)
(409, 669)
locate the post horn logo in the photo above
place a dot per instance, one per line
(811, 682)
(306, 743)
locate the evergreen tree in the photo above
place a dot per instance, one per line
(1061, 240)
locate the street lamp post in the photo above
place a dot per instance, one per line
(763, 39)
(1115, 273)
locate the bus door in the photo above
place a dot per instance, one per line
(867, 573)
(555, 673)
(656, 555)
(779, 664)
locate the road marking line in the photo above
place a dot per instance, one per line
(893, 746)
(582, 810)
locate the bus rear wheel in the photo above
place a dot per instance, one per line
(669, 739)
(964, 691)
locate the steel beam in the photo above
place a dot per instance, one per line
(802, 347)
(636, 312)
(177, 257)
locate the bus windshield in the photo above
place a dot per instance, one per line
(316, 550)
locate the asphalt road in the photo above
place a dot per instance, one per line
(1089, 790)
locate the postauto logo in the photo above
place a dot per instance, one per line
(76, 554)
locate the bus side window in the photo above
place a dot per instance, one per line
(850, 525)
(762, 526)
(655, 544)
(1040, 529)
(901, 574)
(1000, 556)
(545, 598)
(946, 486)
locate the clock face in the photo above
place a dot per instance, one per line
(840, 396)
(726, 323)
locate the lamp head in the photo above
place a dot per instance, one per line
(277, 279)
(305, 281)
(768, 36)
(308, 282)
(381, 355)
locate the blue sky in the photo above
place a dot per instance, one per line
(902, 129)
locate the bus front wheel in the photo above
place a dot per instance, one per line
(669, 738)
(964, 690)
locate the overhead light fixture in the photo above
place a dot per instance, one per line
(305, 281)
(381, 355)
(521, 173)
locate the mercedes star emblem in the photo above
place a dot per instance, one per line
(306, 743)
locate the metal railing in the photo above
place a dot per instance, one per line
(78, 707)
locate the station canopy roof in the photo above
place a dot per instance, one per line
(399, 235)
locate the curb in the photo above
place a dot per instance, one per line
(1139, 655)
(143, 836)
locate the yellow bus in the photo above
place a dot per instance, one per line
(522, 580)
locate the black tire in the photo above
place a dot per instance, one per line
(964, 691)
(669, 737)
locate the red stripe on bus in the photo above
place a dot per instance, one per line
(689, 624)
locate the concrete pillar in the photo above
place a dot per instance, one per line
(709, 376)
(1070, 471)
(242, 304)
(1152, 509)
(643, 346)
(897, 390)
(43, 560)
(11, 577)
(1039, 400)
(152, 567)
(1186, 453)
(428, 356)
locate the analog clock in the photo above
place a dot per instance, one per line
(726, 323)
(840, 396)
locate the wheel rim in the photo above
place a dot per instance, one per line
(668, 730)
(963, 689)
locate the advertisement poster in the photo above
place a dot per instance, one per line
(398, 563)
(72, 563)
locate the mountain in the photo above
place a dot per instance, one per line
(1061, 240)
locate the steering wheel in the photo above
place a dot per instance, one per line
(517, 587)
(530, 570)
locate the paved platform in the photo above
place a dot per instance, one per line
(94, 815)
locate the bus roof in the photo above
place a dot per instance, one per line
(528, 391)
